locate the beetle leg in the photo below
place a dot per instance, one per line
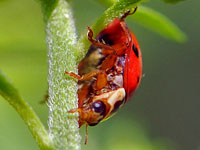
(129, 13)
(108, 51)
(101, 77)
(75, 110)
(101, 81)
(83, 94)
(79, 110)
(83, 77)
(124, 26)
(109, 62)
(126, 31)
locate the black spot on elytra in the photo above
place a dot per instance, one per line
(138, 79)
(135, 50)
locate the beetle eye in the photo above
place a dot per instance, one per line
(99, 107)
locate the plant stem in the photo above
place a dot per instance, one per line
(61, 40)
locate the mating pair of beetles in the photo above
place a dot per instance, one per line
(109, 73)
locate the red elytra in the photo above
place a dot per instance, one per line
(109, 73)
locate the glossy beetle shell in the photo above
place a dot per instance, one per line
(109, 73)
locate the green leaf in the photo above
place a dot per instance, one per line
(172, 1)
(10, 93)
(155, 22)
(158, 23)
(47, 7)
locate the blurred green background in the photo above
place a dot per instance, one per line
(164, 114)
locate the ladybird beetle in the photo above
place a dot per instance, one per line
(109, 73)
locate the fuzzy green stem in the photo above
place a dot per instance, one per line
(10, 93)
(61, 40)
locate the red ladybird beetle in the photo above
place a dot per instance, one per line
(109, 73)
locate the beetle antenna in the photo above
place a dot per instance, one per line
(86, 133)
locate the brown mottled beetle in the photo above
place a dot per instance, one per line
(109, 73)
